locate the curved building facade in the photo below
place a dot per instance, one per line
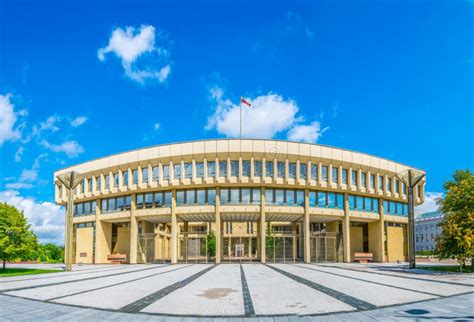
(239, 200)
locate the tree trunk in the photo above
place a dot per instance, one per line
(4, 264)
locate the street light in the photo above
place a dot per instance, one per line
(70, 180)
(411, 178)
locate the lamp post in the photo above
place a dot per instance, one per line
(70, 180)
(411, 178)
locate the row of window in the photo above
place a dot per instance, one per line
(360, 203)
(395, 208)
(84, 208)
(242, 196)
(185, 171)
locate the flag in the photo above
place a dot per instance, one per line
(243, 100)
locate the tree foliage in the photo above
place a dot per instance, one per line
(456, 240)
(17, 241)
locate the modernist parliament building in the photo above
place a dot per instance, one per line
(231, 200)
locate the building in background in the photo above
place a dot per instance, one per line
(426, 230)
(239, 200)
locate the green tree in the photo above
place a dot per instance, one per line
(16, 239)
(50, 253)
(211, 244)
(455, 240)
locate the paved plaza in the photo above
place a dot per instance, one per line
(253, 291)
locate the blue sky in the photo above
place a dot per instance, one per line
(81, 80)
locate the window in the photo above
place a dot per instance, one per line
(135, 176)
(312, 198)
(246, 196)
(269, 168)
(380, 183)
(404, 188)
(269, 196)
(167, 199)
(246, 168)
(107, 181)
(125, 178)
(335, 175)
(322, 199)
(211, 196)
(331, 200)
(222, 169)
(389, 184)
(145, 175)
(324, 173)
(290, 197)
(234, 196)
(99, 183)
(279, 197)
(292, 170)
(148, 200)
(224, 195)
(200, 197)
(155, 174)
(83, 185)
(84, 208)
(211, 169)
(89, 186)
(303, 170)
(397, 186)
(199, 169)
(359, 203)
(188, 170)
(280, 169)
(314, 172)
(256, 196)
(166, 172)
(363, 179)
(257, 168)
(344, 176)
(234, 168)
(177, 171)
(372, 181)
(116, 179)
(354, 178)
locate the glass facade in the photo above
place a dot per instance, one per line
(145, 175)
(240, 196)
(125, 178)
(284, 197)
(389, 184)
(177, 171)
(166, 172)
(156, 173)
(372, 181)
(380, 183)
(107, 181)
(222, 169)
(354, 178)
(234, 168)
(280, 169)
(344, 176)
(154, 200)
(195, 197)
(257, 168)
(246, 168)
(199, 169)
(324, 173)
(395, 208)
(314, 172)
(269, 169)
(361, 203)
(335, 175)
(135, 176)
(292, 170)
(84, 208)
(121, 203)
(188, 170)
(323, 199)
(303, 171)
(211, 169)
(363, 179)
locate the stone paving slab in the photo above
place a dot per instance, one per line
(375, 294)
(116, 297)
(64, 277)
(442, 289)
(273, 293)
(216, 293)
(72, 288)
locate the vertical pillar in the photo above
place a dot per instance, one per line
(185, 248)
(174, 229)
(346, 231)
(133, 231)
(259, 246)
(263, 224)
(218, 225)
(307, 240)
(294, 244)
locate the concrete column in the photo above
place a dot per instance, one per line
(329, 174)
(263, 225)
(218, 225)
(133, 231)
(258, 238)
(295, 245)
(185, 250)
(346, 231)
(307, 232)
(174, 229)
(320, 172)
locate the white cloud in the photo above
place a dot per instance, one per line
(71, 148)
(28, 175)
(48, 125)
(46, 218)
(19, 154)
(131, 44)
(309, 33)
(429, 204)
(7, 120)
(78, 121)
(157, 126)
(306, 133)
(18, 185)
(269, 115)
